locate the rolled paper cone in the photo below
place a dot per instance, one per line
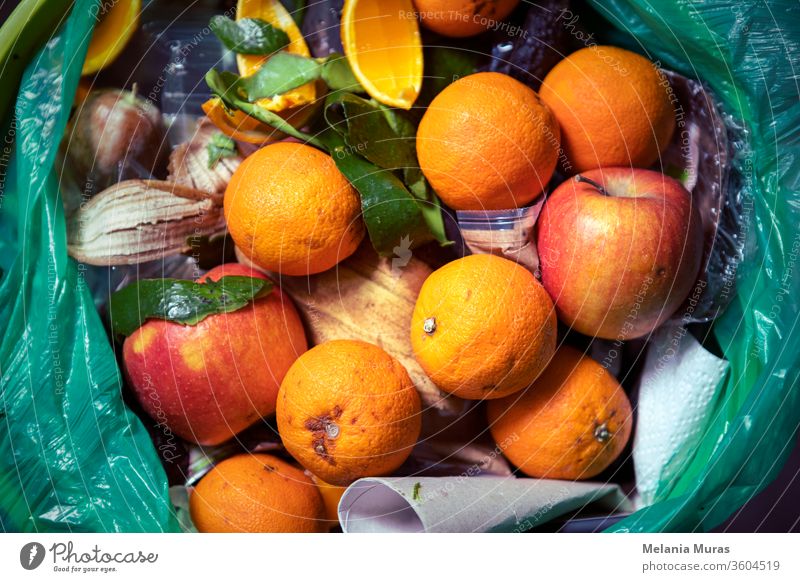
(466, 504)
(677, 391)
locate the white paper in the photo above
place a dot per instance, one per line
(466, 504)
(676, 394)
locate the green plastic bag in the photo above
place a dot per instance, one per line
(742, 50)
(73, 457)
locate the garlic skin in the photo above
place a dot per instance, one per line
(111, 129)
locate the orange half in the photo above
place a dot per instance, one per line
(273, 12)
(383, 46)
(238, 125)
(242, 127)
(113, 31)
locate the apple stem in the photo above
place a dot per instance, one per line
(591, 182)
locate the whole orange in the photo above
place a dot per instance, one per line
(256, 493)
(483, 327)
(459, 18)
(347, 410)
(290, 210)
(614, 108)
(487, 142)
(570, 424)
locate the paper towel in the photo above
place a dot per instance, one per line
(677, 390)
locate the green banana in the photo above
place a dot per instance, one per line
(30, 25)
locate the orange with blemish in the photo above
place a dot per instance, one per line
(347, 410)
(209, 381)
(257, 493)
(570, 424)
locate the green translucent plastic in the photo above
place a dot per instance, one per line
(743, 51)
(72, 456)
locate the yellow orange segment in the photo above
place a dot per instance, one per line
(273, 12)
(113, 31)
(383, 46)
(238, 125)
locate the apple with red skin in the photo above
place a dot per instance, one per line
(620, 250)
(209, 381)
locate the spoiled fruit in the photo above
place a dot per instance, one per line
(572, 423)
(257, 493)
(348, 410)
(114, 127)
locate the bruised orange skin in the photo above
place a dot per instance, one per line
(210, 381)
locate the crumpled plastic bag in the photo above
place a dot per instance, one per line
(72, 457)
(743, 51)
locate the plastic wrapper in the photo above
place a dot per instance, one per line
(506, 233)
(700, 157)
(74, 458)
(754, 418)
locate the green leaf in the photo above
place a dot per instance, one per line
(429, 204)
(223, 85)
(280, 74)
(338, 75)
(248, 36)
(220, 146)
(181, 301)
(387, 138)
(390, 212)
(443, 65)
(380, 134)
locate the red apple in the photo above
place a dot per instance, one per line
(209, 381)
(620, 250)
